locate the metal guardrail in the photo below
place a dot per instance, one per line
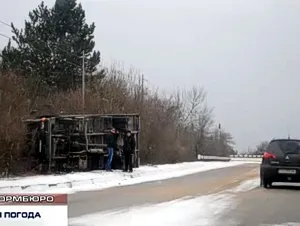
(213, 158)
(245, 156)
(255, 158)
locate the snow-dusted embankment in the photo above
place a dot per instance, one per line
(71, 183)
(205, 210)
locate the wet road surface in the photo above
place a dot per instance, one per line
(198, 184)
(278, 205)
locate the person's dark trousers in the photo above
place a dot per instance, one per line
(128, 161)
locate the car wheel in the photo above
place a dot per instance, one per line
(264, 182)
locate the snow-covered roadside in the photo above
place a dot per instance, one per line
(71, 183)
(284, 224)
(201, 211)
(247, 185)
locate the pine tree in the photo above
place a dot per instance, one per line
(51, 45)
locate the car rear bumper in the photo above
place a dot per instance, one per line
(272, 173)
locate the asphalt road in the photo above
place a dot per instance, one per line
(161, 191)
(278, 205)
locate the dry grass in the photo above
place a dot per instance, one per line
(14, 105)
(173, 128)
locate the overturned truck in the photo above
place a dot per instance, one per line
(64, 143)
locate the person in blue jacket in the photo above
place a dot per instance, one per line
(111, 146)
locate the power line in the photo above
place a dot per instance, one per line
(5, 36)
(83, 62)
(83, 70)
(59, 48)
(6, 24)
(41, 51)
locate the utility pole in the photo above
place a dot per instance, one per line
(143, 88)
(83, 101)
(219, 139)
(83, 82)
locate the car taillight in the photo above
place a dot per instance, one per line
(268, 155)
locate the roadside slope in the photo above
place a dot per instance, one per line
(197, 184)
(96, 180)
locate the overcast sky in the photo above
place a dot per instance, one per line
(245, 53)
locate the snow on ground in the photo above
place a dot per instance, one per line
(284, 224)
(247, 185)
(205, 210)
(201, 211)
(71, 183)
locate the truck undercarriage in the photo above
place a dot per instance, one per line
(65, 143)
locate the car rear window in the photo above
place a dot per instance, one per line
(285, 146)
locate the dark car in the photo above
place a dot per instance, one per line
(281, 162)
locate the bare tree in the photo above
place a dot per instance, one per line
(195, 118)
(261, 148)
(174, 128)
(219, 143)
